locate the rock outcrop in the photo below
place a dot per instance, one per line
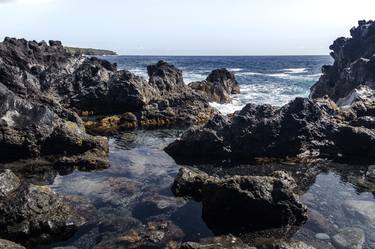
(218, 86)
(301, 130)
(354, 64)
(32, 214)
(242, 202)
(46, 86)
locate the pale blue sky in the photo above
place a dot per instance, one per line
(187, 27)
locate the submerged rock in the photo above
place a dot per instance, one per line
(222, 242)
(242, 202)
(288, 245)
(34, 214)
(362, 210)
(156, 234)
(349, 238)
(218, 86)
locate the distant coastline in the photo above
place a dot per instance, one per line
(89, 51)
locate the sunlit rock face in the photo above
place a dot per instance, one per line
(354, 65)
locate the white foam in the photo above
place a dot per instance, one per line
(273, 94)
(296, 70)
(235, 69)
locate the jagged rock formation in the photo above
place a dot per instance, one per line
(354, 64)
(45, 86)
(164, 100)
(254, 202)
(301, 130)
(32, 214)
(218, 86)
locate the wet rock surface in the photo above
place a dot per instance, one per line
(349, 238)
(239, 202)
(34, 214)
(219, 86)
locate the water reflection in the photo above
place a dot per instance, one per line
(133, 196)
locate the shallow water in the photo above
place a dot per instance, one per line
(136, 188)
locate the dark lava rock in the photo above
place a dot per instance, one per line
(42, 87)
(218, 86)
(242, 202)
(300, 131)
(257, 131)
(32, 214)
(354, 64)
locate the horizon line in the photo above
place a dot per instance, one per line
(266, 55)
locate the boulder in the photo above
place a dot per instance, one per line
(349, 238)
(242, 202)
(354, 66)
(218, 86)
(32, 214)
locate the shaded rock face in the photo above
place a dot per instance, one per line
(31, 129)
(32, 214)
(354, 64)
(242, 202)
(299, 131)
(45, 86)
(218, 86)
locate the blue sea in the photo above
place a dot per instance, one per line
(272, 80)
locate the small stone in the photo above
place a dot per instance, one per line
(322, 236)
(349, 238)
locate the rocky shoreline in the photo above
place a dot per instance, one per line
(55, 106)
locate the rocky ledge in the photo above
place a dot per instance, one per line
(219, 86)
(247, 203)
(31, 214)
(303, 130)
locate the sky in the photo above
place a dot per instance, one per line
(187, 27)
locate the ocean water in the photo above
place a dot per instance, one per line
(272, 80)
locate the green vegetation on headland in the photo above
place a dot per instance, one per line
(89, 51)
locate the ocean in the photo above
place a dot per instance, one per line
(271, 80)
